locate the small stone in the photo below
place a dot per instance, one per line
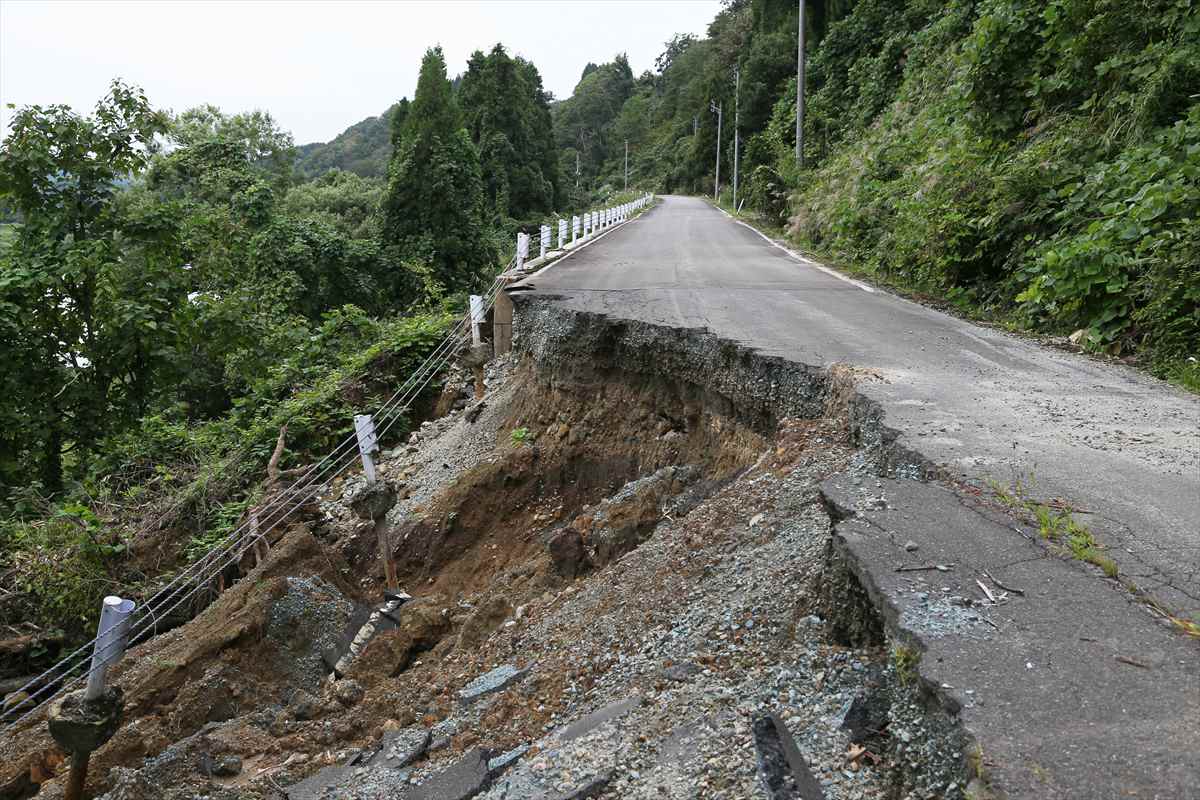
(680, 672)
(304, 706)
(911, 546)
(348, 692)
(227, 766)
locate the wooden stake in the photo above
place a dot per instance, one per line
(385, 551)
(480, 388)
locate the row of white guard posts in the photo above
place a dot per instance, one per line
(582, 228)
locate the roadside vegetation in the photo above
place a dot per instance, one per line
(174, 293)
(1033, 163)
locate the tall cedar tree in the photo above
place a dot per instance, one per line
(434, 206)
(508, 116)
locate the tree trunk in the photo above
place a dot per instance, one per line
(52, 466)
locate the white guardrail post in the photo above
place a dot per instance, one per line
(522, 250)
(368, 443)
(574, 228)
(562, 233)
(478, 315)
(544, 241)
(113, 635)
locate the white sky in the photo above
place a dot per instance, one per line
(317, 66)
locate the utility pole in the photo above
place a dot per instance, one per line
(627, 165)
(695, 124)
(715, 108)
(800, 91)
(737, 88)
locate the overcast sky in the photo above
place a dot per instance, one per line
(318, 67)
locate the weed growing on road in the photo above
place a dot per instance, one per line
(1188, 627)
(1055, 523)
(520, 436)
(906, 659)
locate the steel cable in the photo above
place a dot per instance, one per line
(236, 548)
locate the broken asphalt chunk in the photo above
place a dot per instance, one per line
(499, 678)
(590, 787)
(400, 748)
(784, 773)
(461, 780)
(506, 760)
(597, 718)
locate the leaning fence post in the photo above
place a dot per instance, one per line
(113, 635)
(368, 443)
(81, 722)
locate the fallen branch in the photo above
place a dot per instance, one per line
(1133, 662)
(273, 464)
(1002, 586)
(938, 567)
(986, 591)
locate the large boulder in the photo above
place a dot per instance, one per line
(486, 617)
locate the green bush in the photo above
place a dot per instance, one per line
(1037, 163)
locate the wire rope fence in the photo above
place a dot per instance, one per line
(72, 670)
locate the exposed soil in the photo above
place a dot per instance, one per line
(626, 519)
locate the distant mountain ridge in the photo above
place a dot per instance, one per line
(364, 149)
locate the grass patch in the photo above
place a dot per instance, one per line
(1186, 375)
(1055, 523)
(905, 659)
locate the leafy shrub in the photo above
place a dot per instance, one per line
(1124, 259)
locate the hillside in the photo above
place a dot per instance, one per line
(1032, 163)
(364, 149)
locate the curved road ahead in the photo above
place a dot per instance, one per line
(1121, 446)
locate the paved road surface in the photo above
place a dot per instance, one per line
(1122, 446)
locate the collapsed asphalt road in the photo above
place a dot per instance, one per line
(988, 406)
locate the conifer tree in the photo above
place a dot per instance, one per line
(508, 116)
(433, 210)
